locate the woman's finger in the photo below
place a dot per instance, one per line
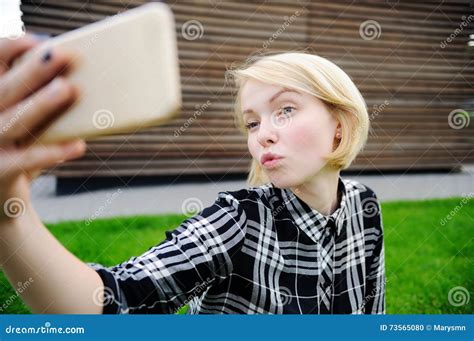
(30, 75)
(12, 49)
(21, 122)
(38, 157)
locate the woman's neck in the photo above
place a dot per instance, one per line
(320, 192)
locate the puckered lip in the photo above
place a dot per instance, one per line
(269, 156)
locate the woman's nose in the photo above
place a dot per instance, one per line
(267, 134)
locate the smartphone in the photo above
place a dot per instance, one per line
(127, 70)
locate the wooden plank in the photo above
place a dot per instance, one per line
(419, 82)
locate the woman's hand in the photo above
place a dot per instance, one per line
(32, 95)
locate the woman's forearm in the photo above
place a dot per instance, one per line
(56, 280)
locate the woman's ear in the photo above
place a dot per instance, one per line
(339, 131)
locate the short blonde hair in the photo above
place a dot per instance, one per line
(316, 76)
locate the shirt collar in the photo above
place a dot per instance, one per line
(312, 221)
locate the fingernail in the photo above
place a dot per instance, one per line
(54, 87)
(47, 56)
(75, 146)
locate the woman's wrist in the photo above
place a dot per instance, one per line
(14, 230)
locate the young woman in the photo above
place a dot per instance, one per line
(300, 240)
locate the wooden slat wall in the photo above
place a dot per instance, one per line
(404, 72)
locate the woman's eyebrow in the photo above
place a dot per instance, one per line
(274, 97)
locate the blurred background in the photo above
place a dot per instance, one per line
(412, 61)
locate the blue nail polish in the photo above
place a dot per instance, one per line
(40, 36)
(46, 56)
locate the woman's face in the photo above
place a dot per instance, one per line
(292, 125)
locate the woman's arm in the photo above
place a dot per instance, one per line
(374, 302)
(200, 252)
(32, 95)
(375, 283)
(58, 281)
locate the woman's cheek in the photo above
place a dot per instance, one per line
(251, 144)
(311, 140)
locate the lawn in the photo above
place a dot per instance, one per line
(427, 254)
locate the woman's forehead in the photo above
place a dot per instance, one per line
(256, 93)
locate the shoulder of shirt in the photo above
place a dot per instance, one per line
(370, 204)
(354, 186)
(249, 196)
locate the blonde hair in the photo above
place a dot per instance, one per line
(316, 76)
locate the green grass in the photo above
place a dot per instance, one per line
(424, 260)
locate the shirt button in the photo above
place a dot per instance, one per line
(331, 225)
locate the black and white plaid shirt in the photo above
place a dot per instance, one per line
(260, 250)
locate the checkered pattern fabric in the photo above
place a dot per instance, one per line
(260, 250)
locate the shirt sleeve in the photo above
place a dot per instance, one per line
(190, 259)
(375, 281)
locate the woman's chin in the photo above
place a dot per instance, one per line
(283, 182)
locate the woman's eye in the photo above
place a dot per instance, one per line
(287, 110)
(251, 125)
